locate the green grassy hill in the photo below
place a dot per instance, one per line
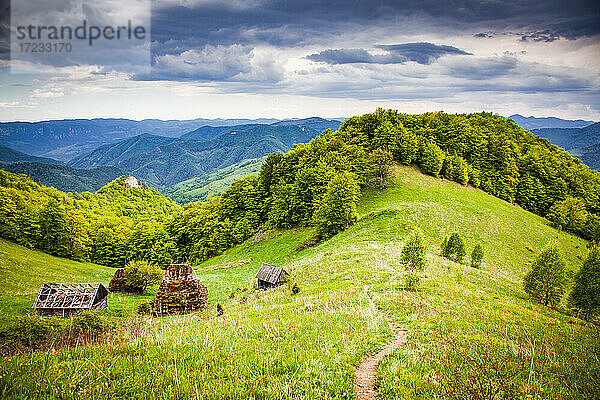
(469, 330)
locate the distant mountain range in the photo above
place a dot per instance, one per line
(203, 156)
(163, 161)
(530, 123)
(65, 139)
(571, 138)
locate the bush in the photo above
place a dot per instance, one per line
(477, 256)
(412, 281)
(30, 331)
(140, 274)
(90, 322)
(586, 291)
(295, 289)
(454, 248)
(546, 281)
(144, 308)
(414, 253)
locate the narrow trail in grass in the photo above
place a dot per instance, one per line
(364, 382)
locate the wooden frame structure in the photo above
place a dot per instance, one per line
(65, 299)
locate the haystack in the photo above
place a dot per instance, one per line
(180, 292)
(118, 283)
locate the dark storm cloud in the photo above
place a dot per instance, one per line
(422, 53)
(285, 23)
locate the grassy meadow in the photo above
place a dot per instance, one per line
(472, 333)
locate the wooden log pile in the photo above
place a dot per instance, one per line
(180, 292)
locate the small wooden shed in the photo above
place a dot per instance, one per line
(66, 299)
(270, 276)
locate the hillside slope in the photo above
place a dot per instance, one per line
(64, 178)
(464, 325)
(590, 155)
(213, 183)
(8, 155)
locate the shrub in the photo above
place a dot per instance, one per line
(412, 281)
(90, 322)
(477, 256)
(295, 289)
(454, 248)
(144, 308)
(586, 291)
(30, 331)
(140, 274)
(414, 252)
(546, 281)
(220, 310)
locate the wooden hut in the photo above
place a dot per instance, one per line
(270, 276)
(66, 299)
(180, 292)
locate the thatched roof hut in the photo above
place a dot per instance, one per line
(180, 292)
(270, 276)
(66, 299)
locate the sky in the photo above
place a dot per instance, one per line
(300, 58)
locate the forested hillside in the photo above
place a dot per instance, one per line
(64, 178)
(317, 184)
(8, 155)
(108, 227)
